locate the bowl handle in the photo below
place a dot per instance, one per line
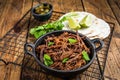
(32, 46)
(100, 42)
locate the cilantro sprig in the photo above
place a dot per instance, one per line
(43, 29)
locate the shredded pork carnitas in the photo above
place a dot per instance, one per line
(62, 49)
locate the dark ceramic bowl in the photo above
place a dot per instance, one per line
(42, 17)
(61, 73)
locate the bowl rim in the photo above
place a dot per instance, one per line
(65, 71)
(49, 12)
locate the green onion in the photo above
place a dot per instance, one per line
(65, 60)
(85, 55)
(71, 40)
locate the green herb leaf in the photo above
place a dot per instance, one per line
(46, 63)
(47, 57)
(32, 31)
(63, 19)
(43, 29)
(71, 40)
(65, 60)
(85, 55)
(40, 28)
(37, 34)
(50, 62)
(42, 33)
(47, 60)
(50, 43)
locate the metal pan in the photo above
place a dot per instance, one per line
(61, 73)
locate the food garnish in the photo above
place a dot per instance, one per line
(86, 21)
(73, 24)
(71, 40)
(38, 31)
(47, 60)
(42, 9)
(85, 55)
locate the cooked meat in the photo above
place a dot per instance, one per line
(65, 55)
(57, 65)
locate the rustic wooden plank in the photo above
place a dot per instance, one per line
(65, 5)
(19, 8)
(2, 6)
(14, 72)
(115, 6)
(102, 10)
(13, 11)
(92, 6)
(2, 17)
(9, 72)
(2, 70)
(113, 63)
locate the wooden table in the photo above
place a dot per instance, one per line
(109, 10)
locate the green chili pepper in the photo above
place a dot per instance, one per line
(71, 40)
(47, 60)
(85, 55)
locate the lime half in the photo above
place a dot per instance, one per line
(73, 24)
(86, 21)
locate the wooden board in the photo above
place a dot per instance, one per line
(65, 5)
(12, 10)
(115, 7)
(102, 10)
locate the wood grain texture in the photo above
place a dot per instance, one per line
(115, 6)
(65, 5)
(12, 10)
(2, 71)
(102, 10)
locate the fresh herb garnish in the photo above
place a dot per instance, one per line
(65, 60)
(37, 33)
(71, 40)
(63, 19)
(43, 29)
(47, 60)
(85, 55)
(50, 43)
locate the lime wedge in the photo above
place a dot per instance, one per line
(86, 21)
(73, 24)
